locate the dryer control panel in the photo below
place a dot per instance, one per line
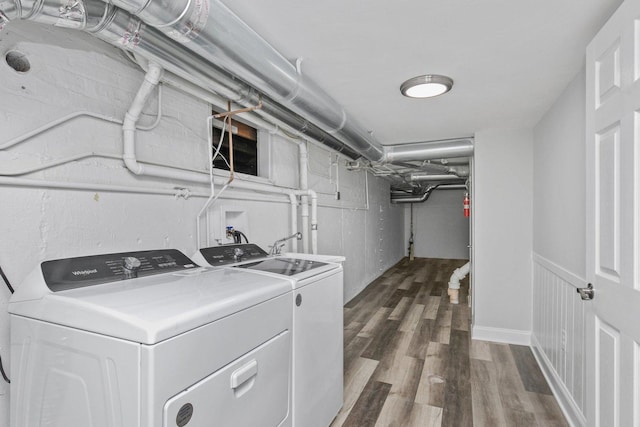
(72, 273)
(230, 254)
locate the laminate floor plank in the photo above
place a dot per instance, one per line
(442, 326)
(420, 339)
(412, 319)
(480, 350)
(460, 317)
(395, 412)
(390, 368)
(353, 350)
(367, 408)
(401, 309)
(425, 415)
(350, 332)
(530, 373)
(485, 397)
(457, 410)
(355, 380)
(432, 387)
(407, 282)
(517, 407)
(409, 360)
(547, 411)
(372, 327)
(384, 342)
(431, 307)
(407, 378)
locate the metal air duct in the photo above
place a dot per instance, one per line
(204, 42)
(422, 177)
(429, 150)
(210, 30)
(123, 30)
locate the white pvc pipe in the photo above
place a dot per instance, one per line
(303, 163)
(458, 275)
(152, 78)
(294, 221)
(107, 188)
(314, 217)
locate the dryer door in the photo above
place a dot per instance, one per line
(251, 391)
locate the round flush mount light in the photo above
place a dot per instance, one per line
(426, 86)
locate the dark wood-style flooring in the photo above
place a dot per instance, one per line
(409, 359)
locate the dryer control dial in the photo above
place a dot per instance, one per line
(238, 253)
(131, 264)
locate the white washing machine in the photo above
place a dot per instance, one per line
(317, 323)
(148, 339)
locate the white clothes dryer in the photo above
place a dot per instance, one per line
(148, 339)
(317, 323)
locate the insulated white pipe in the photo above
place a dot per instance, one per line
(107, 188)
(454, 282)
(303, 177)
(314, 217)
(421, 176)
(294, 221)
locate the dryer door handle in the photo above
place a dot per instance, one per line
(244, 374)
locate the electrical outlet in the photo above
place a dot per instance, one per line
(563, 340)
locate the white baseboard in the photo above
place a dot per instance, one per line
(569, 407)
(508, 336)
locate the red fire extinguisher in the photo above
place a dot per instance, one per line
(466, 205)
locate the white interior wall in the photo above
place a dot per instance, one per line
(502, 215)
(559, 180)
(559, 246)
(440, 229)
(70, 72)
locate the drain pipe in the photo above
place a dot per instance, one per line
(454, 282)
(294, 220)
(415, 199)
(151, 80)
(304, 186)
(314, 217)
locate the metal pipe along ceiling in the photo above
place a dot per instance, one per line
(204, 42)
(210, 30)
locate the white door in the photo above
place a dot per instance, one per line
(613, 220)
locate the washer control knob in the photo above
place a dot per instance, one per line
(131, 264)
(238, 253)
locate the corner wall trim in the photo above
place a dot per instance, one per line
(508, 336)
(569, 407)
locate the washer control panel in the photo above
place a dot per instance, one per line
(230, 254)
(72, 273)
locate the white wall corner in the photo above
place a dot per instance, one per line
(507, 336)
(569, 407)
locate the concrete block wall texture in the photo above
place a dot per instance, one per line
(73, 72)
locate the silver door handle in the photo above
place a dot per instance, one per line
(587, 293)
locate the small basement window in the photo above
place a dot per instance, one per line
(245, 147)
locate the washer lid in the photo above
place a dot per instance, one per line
(147, 309)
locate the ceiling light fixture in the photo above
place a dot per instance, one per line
(426, 86)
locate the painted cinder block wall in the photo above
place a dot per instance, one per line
(73, 72)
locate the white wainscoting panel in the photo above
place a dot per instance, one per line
(558, 339)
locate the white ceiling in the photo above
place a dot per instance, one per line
(510, 59)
